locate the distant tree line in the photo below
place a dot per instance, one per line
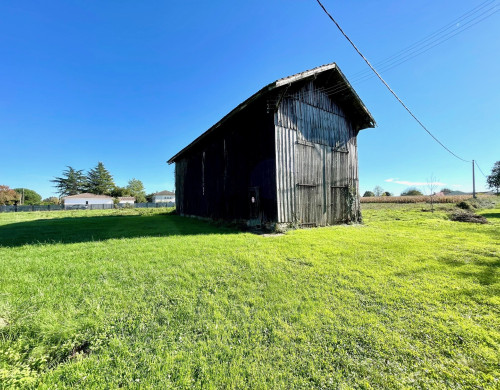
(379, 191)
(25, 196)
(97, 180)
(492, 181)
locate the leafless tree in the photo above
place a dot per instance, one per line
(378, 191)
(432, 186)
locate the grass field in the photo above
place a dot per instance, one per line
(144, 298)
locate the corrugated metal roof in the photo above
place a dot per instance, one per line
(346, 90)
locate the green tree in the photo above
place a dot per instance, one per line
(386, 193)
(99, 180)
(119, 191)
(28, 196)
(446, 191)
(136, 189)
(368, 194)
(412, 191)
(71, 182)
(52, 200)
(493, 180)
(8, 196)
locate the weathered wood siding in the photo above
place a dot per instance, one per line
(316, 160)
(219, 178)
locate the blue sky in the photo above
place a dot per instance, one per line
(130, 83)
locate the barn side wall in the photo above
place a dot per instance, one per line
(316, 160)
(218, 178)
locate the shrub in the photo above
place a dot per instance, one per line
(464, 205)
(412, 191)
(368, 194)
(483, 203)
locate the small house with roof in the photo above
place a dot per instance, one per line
(124, 200)
(164, 197)
(286, 155)
(86, 199)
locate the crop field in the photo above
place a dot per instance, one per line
(147, 299)
(415, 199)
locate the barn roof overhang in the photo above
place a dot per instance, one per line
(333, 82)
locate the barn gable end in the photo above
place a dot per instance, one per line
(316, 164)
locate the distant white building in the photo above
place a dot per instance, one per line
(85, 199)
(164, 197)
(126, 200)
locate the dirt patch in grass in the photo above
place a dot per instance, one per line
(80, 349)
(467, 216)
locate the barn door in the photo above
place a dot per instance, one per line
(309, 169)
(339, 189)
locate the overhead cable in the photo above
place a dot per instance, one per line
(387, 85)
(477, 165)
(393, 61)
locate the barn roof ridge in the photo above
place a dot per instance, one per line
(283, 82)
(306, 73)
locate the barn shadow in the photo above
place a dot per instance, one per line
(99, 228)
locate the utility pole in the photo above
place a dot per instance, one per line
(473, 181)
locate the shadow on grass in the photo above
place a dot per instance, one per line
(486, 271)
(491, 215)
(98, 228)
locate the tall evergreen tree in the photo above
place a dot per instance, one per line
(136, 189)
(99, 180)
(72, 182)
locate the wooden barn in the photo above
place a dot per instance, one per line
(286, 155)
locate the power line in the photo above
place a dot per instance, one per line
(444, 38)
(439, 34)
(393, 61)
(477, 165)
(387, 85)
(416, 50)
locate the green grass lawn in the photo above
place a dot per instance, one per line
(144, 298)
